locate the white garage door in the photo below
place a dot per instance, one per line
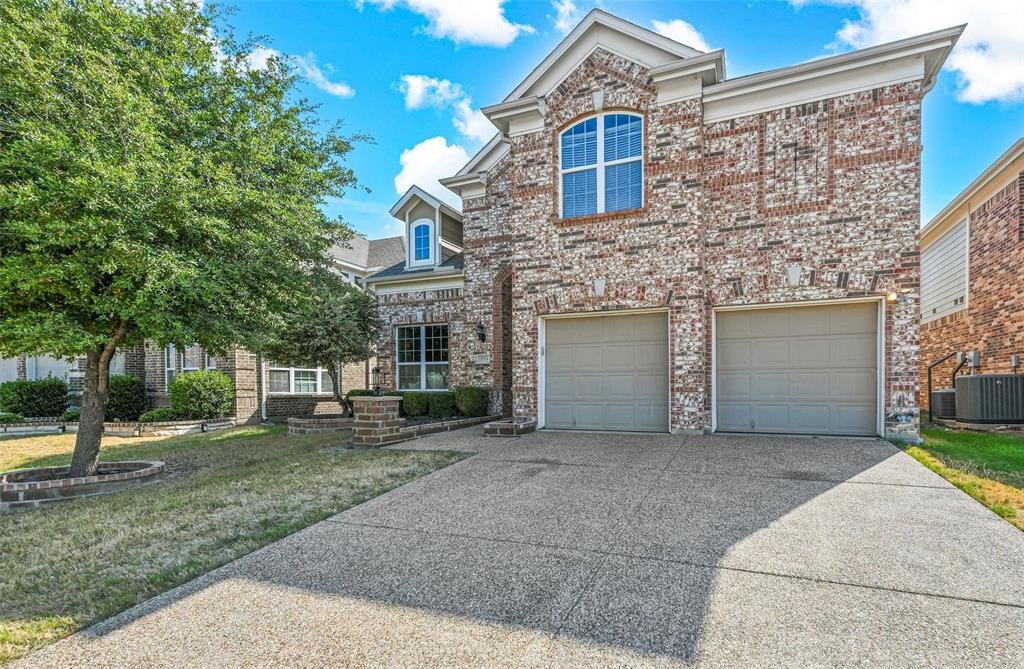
(810, 370)
(607, 373)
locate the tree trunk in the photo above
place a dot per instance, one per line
(94, 407)
(335, 374)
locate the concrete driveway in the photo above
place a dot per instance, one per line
(569, 549)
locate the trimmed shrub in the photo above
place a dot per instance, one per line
(356, 392)
(472, 401)
(11, 417)
(45, 398)
(442, 405)
(162, 415)
(126, 399)
(202, 395)
(71, 415)
(416, 403)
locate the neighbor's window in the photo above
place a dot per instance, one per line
(602, 165)
(422, 246)
(423, 357)
(211, 362)
(191, 358)
(299, 381)
(169, 366)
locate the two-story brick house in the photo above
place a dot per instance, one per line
(649, 245)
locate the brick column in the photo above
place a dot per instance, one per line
(376, 421)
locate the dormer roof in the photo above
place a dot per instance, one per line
(414, 194)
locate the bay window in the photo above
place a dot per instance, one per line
(422, 357)
(602, 165)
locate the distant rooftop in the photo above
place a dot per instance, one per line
(371, 253)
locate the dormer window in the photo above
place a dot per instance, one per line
(421, 238)
(602, 165)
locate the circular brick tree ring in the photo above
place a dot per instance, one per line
(27, 488)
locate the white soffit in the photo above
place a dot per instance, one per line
(896, 62)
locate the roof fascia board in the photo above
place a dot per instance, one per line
(416, 191)
(420, 277)
(609, 21)
(710, 67)
(1001, 163)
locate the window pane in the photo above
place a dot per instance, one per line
(437, 376)
(305, 380)
(579, 193)
(436, 343)
(326, 385)
(211, 363)
(623, 186)
(409, 344)
(421, 236)
(408, 377)
(579, 145)
(279, 381)
(623, 137)
(191, 358)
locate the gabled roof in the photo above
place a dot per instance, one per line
(370, 253)
(599, 28)
(417, 192)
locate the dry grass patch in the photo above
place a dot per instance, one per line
(69, 565)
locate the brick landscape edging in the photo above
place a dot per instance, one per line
(23, 494)
(318, 425)
(122, 429)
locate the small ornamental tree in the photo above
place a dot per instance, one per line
(335, 325)
(152, 187)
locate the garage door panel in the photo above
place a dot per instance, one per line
(607, 373)
(769, 353)
(798, 369)
(771, 385)
(617, 386)
(734, 354)
(811, 352)
(810, 384)
(810, 418)
(734, 416)
(734, 385)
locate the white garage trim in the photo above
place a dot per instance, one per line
(541, 354)
(881, 366)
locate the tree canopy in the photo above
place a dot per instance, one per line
(152, 184)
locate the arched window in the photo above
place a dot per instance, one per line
(422, 241)
(602, 165)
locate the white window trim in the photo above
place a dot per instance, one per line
(170, 364)
(209, 362)
(184, 358)
(413, 262)
(600, 165)
(320, 371)
(423, 359)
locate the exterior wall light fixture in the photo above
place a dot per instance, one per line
(480, 333)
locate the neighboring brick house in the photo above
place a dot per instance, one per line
(972, 272)
(624, 234)
(262, 389)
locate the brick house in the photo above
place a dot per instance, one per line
(262, 388)
(972, 272)
(648, 245)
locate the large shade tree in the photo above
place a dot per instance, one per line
(152, 186)
(335, 325)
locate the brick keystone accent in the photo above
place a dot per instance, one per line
(376, 421)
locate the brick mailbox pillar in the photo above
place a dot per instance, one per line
(376, 421)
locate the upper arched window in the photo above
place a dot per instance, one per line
(422, 241)
(602, 165)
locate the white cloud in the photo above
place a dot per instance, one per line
(988, 59)
(421, 91)
(428, 161)
(682, 32)
(307, 67)
(477, 22)
(471, 122)
(567, 15)
(259, 57)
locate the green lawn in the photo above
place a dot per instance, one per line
(71, 564)
(987, 466)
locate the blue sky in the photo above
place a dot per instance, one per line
(413, 73)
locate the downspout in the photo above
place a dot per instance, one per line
(260, 388)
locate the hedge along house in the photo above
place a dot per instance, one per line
(972, 273)
(263, 389)
(648, 245)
